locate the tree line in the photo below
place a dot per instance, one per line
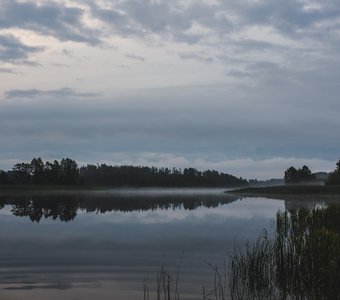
(67, 172)
(63, 172)
(305, 175)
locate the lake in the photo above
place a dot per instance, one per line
(112, 244)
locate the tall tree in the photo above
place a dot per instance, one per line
(3, 177)
(38, 169)
(22, 173)
(301, 175)
(52, 172)
(334, 177)
(290, 175)
(69, 171)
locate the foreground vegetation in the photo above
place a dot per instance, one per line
(300, 261)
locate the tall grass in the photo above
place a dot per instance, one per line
(167, 286)
(300, 261)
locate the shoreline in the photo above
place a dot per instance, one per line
(289, 190)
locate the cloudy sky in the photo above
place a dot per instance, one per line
(245, 87)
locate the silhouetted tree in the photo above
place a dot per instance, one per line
(69, 171)
(293, 175)
(3, 177)
(146, 176)
(22, 173)
(52, 172)
(38, 171)
(305, 174)
(334, 177)
(290, 175)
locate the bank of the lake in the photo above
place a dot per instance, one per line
(289, 190)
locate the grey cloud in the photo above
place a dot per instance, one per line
(299, 43)
(166, 19)
(67, 53)
(12, 50)
(238, 73)
(290, 108)
(50, 18)
(60, 65)
(35, 93)
(135, 57)
(263, 66)
(188, 38)
(123, 66)
(155, 122)
(286, 16)
(254, 45)
(268, 73)
(152, 16)
(173, 19)
(6, 70)
(195, 56)
(263, 72)
(116, 20)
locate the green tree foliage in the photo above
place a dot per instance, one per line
(334, 177)
(301, 175)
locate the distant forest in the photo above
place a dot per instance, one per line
(67, 172)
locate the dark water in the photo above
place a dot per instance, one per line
(105, 245)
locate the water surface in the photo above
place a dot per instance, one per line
(103, 245)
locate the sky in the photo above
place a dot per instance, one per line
(248, 87)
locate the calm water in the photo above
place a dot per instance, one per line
(103, 245)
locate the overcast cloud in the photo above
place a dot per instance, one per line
(245, 87)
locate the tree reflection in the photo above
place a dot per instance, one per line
(65, 207)
(39, 207)
(301, 260)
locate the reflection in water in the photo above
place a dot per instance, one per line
(65, 207)
(301, 260)
(117, 239)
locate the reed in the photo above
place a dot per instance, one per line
(167, 288)
(300, 261)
